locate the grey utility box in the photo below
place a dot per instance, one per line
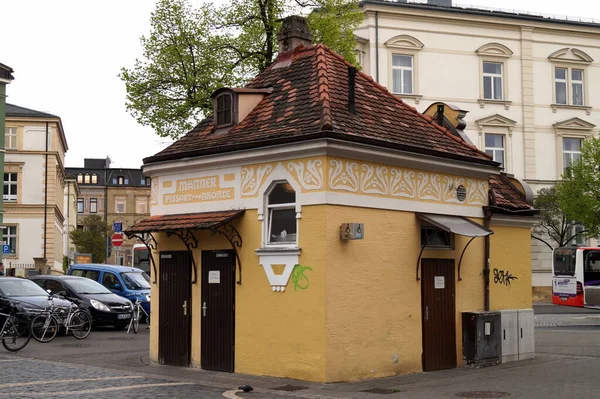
(482, 343)
(517, 335)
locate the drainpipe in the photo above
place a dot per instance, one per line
(377, 46)
(486, 266)
(106, 212)
(46, 199)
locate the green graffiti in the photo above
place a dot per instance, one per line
(299, 278)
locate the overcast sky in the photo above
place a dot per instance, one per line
(67, 54)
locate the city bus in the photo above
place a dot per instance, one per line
(576, 276)
(141, 257)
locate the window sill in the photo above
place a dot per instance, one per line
(278, 250)
(483, 101)
(588, 110)
(416, 97)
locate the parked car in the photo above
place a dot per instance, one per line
(129, 282)
(28, 297)
(105, 307)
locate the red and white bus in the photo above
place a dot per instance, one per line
(141, 257)
(576, 276)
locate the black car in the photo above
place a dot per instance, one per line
(28, 297)
(105, 307)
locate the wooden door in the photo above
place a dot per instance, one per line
(175, 289)
(218, 310)
(438, 314)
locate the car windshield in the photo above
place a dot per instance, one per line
(85, 286)
(136, 280)
(17, 287)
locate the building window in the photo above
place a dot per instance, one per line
(143, 181)
(79, 205)
(433, 237)
(79, 178)
(141, 205)
(94, 179)
(494, 146)
(224, 109)
(492, 81)
(93, 205)
(281, 208)
(120, 204)
(148, 181)
(568, 86)
(571, 151)
(120, 180)
(86, 179)
(11, 138)
(10, 187)
(402, 74)
(126, 181)
(9, 236)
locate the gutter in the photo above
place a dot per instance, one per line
(46, 199)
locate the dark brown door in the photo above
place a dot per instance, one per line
(174, 308)
(218, 312)
(438, 314)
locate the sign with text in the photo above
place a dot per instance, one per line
(564, 286)
(202, 189)
(83, 258)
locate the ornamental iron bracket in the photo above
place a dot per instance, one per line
(234, 238)
(461, 257)
(150, 242)
(190, 242)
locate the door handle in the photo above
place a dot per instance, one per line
(204, 309)
(426, 313)
(185, 308)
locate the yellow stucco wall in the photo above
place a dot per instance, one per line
(510, 255)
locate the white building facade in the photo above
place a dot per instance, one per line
(526, 82)
(34, 181)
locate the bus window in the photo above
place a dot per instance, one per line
(564, 262)
(591, 274)
(141, 258)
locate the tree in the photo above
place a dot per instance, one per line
(92, 238)
(192, 52)
(554, 223)
(579, 190)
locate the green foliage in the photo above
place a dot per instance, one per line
(91, 239)
(579, 190)
(553, 220)
(192, 52)
(65, 263)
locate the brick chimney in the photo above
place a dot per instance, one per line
(293, 33)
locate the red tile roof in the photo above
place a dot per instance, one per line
(506, 196)
(205, 220)
(309, 100)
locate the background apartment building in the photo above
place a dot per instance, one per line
(34, 181)
(525, 81)
(118, 195)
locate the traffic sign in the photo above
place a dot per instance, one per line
(117, 240)
(5, 248)
(117, 227)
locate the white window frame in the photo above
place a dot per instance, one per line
(495, 150)
(94, 179)
(79, 178)
(571, 153)
(11, 138)
(86, 178)
(82, 202)
(492, 77)
(7, 237)
(402, 69)
(93, 205)
(269, 208)
(119, 201)
(10, 197)
(141, 201)
(569, 84)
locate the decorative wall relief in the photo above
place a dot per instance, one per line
(403, 183)
(253, 178)
(154, 191)
(288, 260)
(308, 173)
(343, 175)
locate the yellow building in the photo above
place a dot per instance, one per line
(319, 228)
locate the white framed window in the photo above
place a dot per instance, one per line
(93, 205)
(79, 178)
(120, 180)
(571, 151)
(80, 205)
(86, 179)
(94, 179)
(493, 80)
(126, 181)
(569, 86)
(402, 74)
(282, 226)
(11, 187)
(141, 205)
(495, 147)
(120, 204)
(10, 138)
(9, 236)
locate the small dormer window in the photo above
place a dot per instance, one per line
(224, 110)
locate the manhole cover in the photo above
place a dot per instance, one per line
(121, 338)
(289, 388)
(75, 345)
(483, 394)
(383, 391)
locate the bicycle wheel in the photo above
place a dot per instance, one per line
(17, 334)
(44, 328)
(136, 319)
(80, 324)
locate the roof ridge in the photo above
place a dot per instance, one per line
(399, 100)
(323, 87)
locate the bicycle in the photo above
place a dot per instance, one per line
(45, 325)
(15, 332)
(135, 317)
